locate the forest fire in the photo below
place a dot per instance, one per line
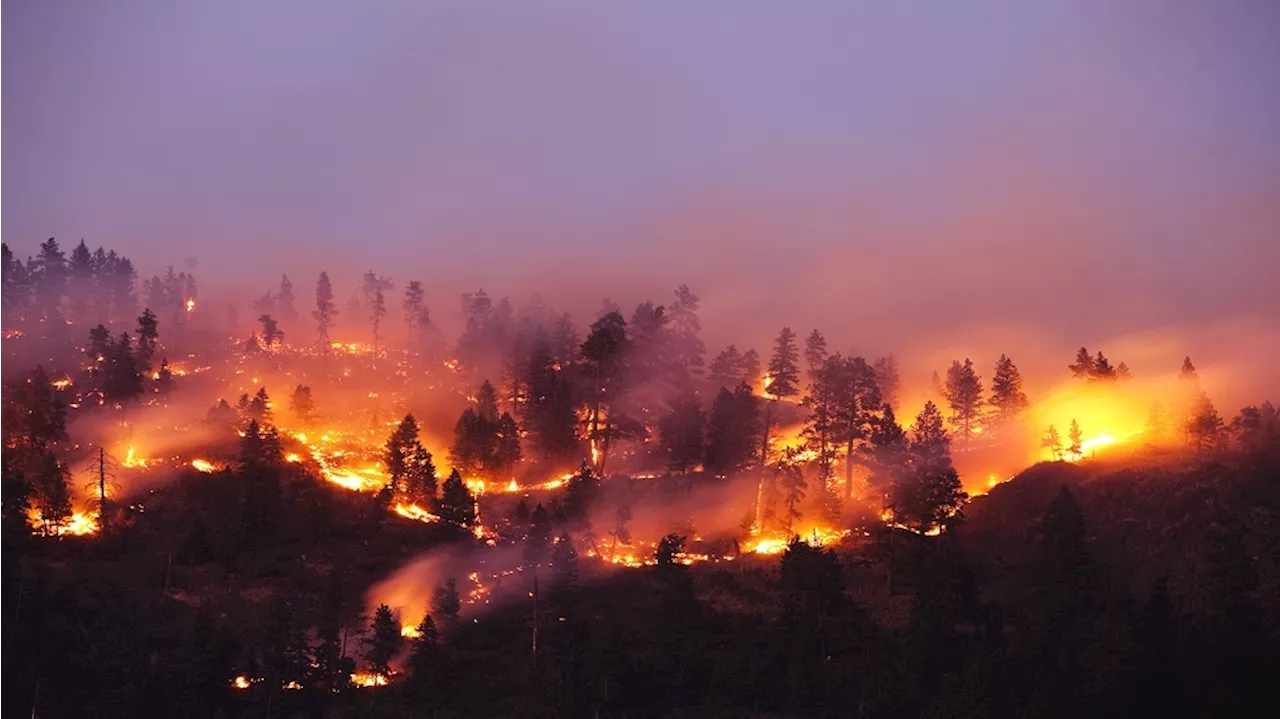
(203, 465)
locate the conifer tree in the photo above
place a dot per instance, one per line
(964, 396)
(148, 339)
(815, 353)
(384, 641)
(457, 505)
(681, 432)
(1083, 366)
(1076, 448)
(781, 381)
(888, 379)
(1102, 369)
(1007, 398)
(325, 312)
(1053, 442)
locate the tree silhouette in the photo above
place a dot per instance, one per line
(1007, 398)
(1082, 368)
(681, 431)
(457, 505)
(815, 353)
(782, 381)
(1052, 441)
(888, 379)
(271, 333)
(964, 396)
(148, 339)
(325, 312)
(384, 641)
(1076, 448)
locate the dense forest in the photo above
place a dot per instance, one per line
(284, 508)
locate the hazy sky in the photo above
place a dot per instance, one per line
(1090, 169)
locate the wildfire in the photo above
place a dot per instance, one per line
(1091, 445)
(203, 465)
(293, 457)
(369, 679)
(78, 524)
(131, 459)
(409, 631)
(191, 305)
(414, 512)
(61, 383)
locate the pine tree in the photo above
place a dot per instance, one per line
(964, 396)
(122, 380)
(537, 544)
(1053, 442)
(1204, 425)
(1188, 372)
(550, 418)
(1123, 372)
(445, 602)
(604, 353)
(284, 306)
(51, 280)
(687, 347)
(815, 353)
(399, 453)
(791, 479)
(80, 282)
(325, 312)
(1102, 369)
(930, 444)
(148, 339)
(888, 449)
(781, 381)
(506, 450)
(888, 379)
(271, 333)
(681, 432)
(33, 416)
(749, 367)
(52, 494)
(302, 405)
(1076, 448)
(384, 641)
(784, 367)
(426, 659)
(413, 307)
(1008, 401)
(731, 431)
(457, 505)
(724, 370)
(1083, 366)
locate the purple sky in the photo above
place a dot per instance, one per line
(877, 170)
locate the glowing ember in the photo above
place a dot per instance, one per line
(243, 682)
(293, 457)
(202, 465)
(61, 383)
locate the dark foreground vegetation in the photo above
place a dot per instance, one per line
(1143, 588)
